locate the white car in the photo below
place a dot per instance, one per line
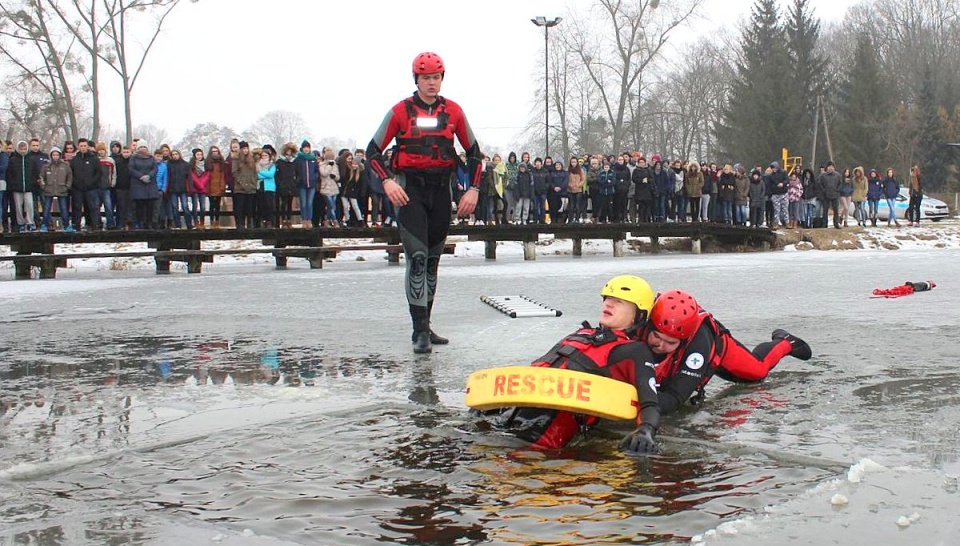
(930, 208)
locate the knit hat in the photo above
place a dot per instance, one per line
(305, 144)
(195, 150)
(775, 165)
(143, 144)
(55, 150)
(244, 144)
(655, 157)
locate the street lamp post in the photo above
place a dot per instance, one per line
(542, 21)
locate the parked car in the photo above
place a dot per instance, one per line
(930, 208)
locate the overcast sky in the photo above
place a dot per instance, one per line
(343, 64)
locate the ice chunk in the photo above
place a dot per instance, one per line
(249, 533)
(914, 517)
(859, 470)
(903, 521)
(839, 500)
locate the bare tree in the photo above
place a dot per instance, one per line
(155, 136)
(277, 127)
(622, 38)
(42, 58)
(82, 21)
(123, 53)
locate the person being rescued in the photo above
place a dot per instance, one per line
(610, 350)
(693, 346)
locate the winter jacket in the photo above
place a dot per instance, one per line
(607, 180)
(328, 177)
(829, 185)
(513, 169)
(916, 186)
(143, 165)
(308, 171)
(794, 191)
(352, 187)
(541, 180)
(4, 163)
(22, 173)
(741, 184)
(161, 178)
(123, 171)
(178, 175)
(228, 176)
(709, 187)
(86, 171)
(727, 187)
(524, 184)
(777, 183)
(244, 176)
(267, 178)
(199, 182)
(642, 178)
(891, 187)
(874, 186)
(287, 178)
(809, 184)
(56, 179)
(576, 182)
(218, 170)
(846, 187)
(693, 184)
(624, 179)
(860, 188)
(662, 183)
(108, 174)
(758, 189)
(559, 180)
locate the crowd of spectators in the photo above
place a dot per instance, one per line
(90, 186)
(630, 189)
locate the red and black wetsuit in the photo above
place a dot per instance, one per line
(712, 351)
(424, 160)
(600, 351)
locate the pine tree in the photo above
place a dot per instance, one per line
(866, 109)
(760, 110)
(932, 152)
(807, 68)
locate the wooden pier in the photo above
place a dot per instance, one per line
(39, 250)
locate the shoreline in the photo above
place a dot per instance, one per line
(929, 236)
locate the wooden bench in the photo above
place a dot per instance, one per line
(48, 263)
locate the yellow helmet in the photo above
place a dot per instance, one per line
(633, 289)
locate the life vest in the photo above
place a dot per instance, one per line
(426, 142)
(670, 366)
(587, 350)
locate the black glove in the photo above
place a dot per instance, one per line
(640, 441)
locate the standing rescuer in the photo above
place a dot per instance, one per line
(417, 182)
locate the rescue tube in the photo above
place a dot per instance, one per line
(551, 388)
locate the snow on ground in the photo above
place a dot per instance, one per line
(944, 234)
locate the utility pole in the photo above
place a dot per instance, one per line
(542, 21)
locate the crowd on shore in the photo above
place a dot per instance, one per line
(92, 186)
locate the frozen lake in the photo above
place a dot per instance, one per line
(252, 406)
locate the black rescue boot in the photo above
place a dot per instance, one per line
(421, 343)
(435, 338)
(799, 348)
(421, 329)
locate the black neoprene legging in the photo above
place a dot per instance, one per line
(424, 224)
